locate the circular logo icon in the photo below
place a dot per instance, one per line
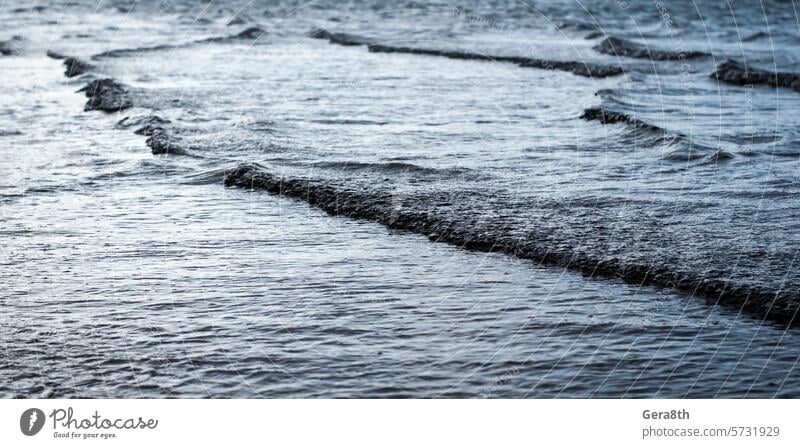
(31, 421)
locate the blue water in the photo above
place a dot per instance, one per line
(128, 274)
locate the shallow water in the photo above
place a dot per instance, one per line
(129, 274)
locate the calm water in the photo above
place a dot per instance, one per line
(128, 274)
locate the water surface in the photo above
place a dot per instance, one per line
(128, 274)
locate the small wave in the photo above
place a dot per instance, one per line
(432, 215)
(605, 116)
(733, 72)
(574, 24)
(350, 122)
(616, 46)
(11, 47)
(106, 95)
(162, 141)
(146, 125)
(594, 35)
(649, 135)
(252, 33)
(340, 38)
(755, 36)
(37, 8)
(55, 55)
(389, 167)
(578, 68)
(214, 176)
(586, 69)
(699, 156)
(120, 52)
(76, 67)
(239, 19)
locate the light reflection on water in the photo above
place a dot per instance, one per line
(126, 277)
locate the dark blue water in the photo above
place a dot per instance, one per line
(647, 253)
